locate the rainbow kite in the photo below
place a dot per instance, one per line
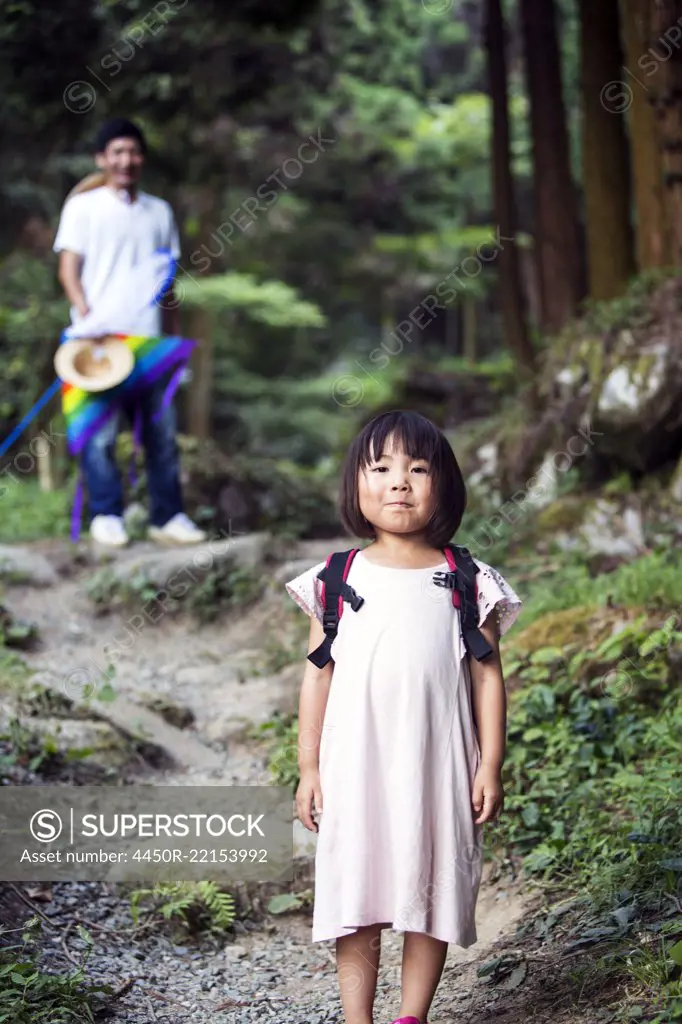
(86, 412)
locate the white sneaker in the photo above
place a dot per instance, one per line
(178, 530)
(109, 530)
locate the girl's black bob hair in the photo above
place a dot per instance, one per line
(419, 438)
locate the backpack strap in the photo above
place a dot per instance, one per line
(335, 591)
(462, 581)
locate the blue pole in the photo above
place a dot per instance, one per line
(41, 403)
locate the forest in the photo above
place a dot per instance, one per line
(469, 208)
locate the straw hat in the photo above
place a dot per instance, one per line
(94, 365)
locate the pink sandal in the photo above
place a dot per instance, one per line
(408, 1020)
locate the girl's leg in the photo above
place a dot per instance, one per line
(357, 962)
(423, 962)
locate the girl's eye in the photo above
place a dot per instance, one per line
(421, 469)
(380, 469)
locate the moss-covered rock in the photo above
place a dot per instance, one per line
(555, 629)
(573, 627)
(564, 514)
(609, 387)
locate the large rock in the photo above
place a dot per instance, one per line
(106, 746)
(627, 382)
(609, 390)
(606, 530)
(254, 702)
(20, 565)
(160, 567)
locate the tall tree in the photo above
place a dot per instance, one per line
(651, 226)
(663, 67)
(504, 199)
(606, 171)
(556, 210)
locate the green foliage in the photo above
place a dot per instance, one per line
(593, 797)
(14, 672)
(284, 903)
(265, 302)
(631, 310)
(283, 760)
(282, 648)
(27, 513)
(32, 316)
(223, 587)
(652, 581)
(197, 906)
(218, 588)
(15, 632)
(20, 746)
(29, 995)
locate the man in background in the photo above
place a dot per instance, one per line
(107, 228)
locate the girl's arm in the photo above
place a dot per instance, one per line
(311, 711)
(490, 712)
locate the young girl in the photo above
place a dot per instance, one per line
(401, 734)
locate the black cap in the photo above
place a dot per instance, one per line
(118, 128)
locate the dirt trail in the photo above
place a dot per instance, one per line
(271, 971)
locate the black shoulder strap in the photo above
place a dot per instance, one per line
(336, 590)
(465, 583)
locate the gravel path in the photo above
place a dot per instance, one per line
(268, 970)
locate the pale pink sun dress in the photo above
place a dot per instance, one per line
(397, 843)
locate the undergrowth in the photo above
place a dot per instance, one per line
(197, 906)
(593, 792)
(203, 593)
(29, 995)
(30, 514)
(653, 581)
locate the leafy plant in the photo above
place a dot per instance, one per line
(224, 586)
(197, 905)
(29, 995)
(29, 513)
(283, 760)
(20, 746)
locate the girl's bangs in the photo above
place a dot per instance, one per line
(415, 436)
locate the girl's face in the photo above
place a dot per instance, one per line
(395, 492)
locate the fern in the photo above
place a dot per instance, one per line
(180, 899)
(220, 904)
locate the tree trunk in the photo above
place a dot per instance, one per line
(469, 317)
(652, 230)
(606, 172)
(556, 211)
(200, 398)
(513, 316)
(664, 67)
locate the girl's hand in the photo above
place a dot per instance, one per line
(487, 795)
(309, 795)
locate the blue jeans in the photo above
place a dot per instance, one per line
(102, 477)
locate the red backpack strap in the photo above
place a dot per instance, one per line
(449, 552)
(463, 571)
(335, 591)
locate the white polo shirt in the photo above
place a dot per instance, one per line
(114, 236)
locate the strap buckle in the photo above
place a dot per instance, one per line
(446, 579)
(354, 600)
(329, 619)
